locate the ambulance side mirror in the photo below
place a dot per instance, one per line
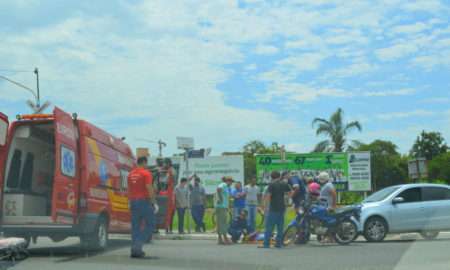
(4, 124)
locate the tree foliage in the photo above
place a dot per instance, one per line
(428, 145)
(439, 168)
(250, 150)
(336, 130)
(387, 165)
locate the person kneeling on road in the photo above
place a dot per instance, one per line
(239, 226)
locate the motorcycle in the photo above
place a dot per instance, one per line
(316, 219)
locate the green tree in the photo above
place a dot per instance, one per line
(250, 150)
(336, 130)
(387, 165)
(439, 167)
(429, 145)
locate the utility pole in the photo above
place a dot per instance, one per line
(38, 101)
(36, 105)
(160, 143)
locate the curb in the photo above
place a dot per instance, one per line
(212, 236)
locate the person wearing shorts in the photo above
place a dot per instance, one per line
(221, 206)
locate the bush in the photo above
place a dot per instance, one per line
(439, 168)
(351, 197)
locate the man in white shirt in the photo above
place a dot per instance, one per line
(252, 192)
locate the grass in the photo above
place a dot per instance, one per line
(290, 214)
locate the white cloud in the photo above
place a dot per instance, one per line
(399, 115)
(396, 51)
(266, 49)
(169, 82)
(385, 93)
(303, 62)
(410, 28)
(353, 69)
(296, 92)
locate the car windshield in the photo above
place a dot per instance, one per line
(381, 194)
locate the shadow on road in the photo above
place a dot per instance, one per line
(74, 252)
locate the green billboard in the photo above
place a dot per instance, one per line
(340, 167)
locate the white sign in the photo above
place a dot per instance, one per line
(210, 170)
(359, 175)
(417, 168)
(185, 143)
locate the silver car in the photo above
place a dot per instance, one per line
(422, 208)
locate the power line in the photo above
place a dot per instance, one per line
(14, 70)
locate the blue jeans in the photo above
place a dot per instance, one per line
(237, 211)
(142, 213)
(235, 234)
(274, 219)
(251, 218)
(180, 212)
(198, 211)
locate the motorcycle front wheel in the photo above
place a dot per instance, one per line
(346, 232)
(290, 235)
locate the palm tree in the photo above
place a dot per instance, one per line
(336, 130)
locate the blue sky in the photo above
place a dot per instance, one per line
(227, 72)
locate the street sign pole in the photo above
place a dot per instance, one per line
(187, 143)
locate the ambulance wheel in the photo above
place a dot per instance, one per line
(98, 240)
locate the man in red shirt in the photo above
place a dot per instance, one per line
(142, 204)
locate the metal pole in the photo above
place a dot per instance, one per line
(189, 194)
(38, 101)
(160, 148)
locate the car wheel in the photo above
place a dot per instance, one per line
(429, 235)
(375, 229)
(98, 240)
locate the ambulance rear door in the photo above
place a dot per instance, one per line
(4, 125)
(67, 176)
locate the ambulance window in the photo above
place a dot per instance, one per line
(67, 161)
(14, 171)
(123, 179)
(27, 173)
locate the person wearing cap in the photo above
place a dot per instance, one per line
(221, 205)
(198, 202)
(327, 191)
(275, 198)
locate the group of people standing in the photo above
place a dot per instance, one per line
(273, 203)
(285, 185)
(143, 204)
(245, 206)
(190, 196)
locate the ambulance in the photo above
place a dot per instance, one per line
(60, 177)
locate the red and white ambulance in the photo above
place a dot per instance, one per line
(60, 177)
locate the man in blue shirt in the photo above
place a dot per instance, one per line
(298, 187)
(238, 195)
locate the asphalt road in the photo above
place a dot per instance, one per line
(205, 254)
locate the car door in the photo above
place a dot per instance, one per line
(408, 215)
(66, 181)
(437, 207)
